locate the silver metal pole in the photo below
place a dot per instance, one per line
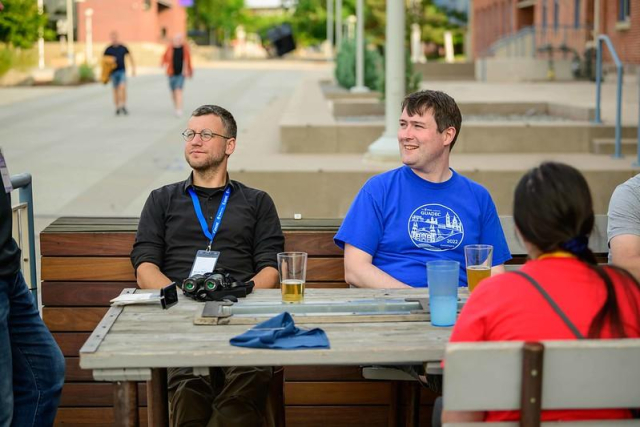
(360, 87)
(330, 38)
(386, 146)
(338, 24)
(88, 42)
(70, 52)
(40, 37)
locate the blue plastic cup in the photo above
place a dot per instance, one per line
(442, 278)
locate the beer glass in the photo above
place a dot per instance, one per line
(292, 268)
(478, 259)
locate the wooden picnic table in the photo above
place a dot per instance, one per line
(138, 342)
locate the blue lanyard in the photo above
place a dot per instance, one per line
(203, 222)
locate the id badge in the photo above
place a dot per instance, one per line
(205, 262)
(4, 171)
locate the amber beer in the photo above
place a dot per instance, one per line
(476, 273)
(292, 290)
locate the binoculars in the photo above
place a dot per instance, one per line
(215, 286)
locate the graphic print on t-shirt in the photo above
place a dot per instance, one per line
(435, 227)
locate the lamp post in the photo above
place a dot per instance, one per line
(88, 45)
(70, 53)
(386, 147)
(338, 24)
(360, 87)
(40, 37)
(330, 28)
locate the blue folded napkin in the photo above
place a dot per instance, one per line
(280, 332)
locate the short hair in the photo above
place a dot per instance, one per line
(229, 123)
(444, 108)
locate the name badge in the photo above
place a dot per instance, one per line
(205, 262)
(4, 171)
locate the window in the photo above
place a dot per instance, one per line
(544, 13)
(576, 14)
(556, 13)
(624, 10)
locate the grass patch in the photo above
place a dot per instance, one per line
(17, 58)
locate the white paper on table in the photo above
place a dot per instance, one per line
(145, 298)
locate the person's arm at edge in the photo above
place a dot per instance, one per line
(149, 276)
(359, 271)
(267, 278)
(461, 416)
(625, 253)
(497, 269)
(133, 64)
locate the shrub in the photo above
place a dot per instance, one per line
(346, 66)
(16, 58)
(6, 59)
(86, 73)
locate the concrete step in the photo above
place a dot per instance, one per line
(323, 186)
(446, 72)
(608, 146)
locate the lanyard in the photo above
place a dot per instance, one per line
(203, 222)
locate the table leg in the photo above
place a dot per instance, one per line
(393, 404)
(413, 406)
(157, 399)
(125, 405)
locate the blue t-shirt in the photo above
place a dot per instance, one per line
(404, 221)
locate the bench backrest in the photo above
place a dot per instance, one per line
(575, 375)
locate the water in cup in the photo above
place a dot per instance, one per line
(292, 290)
(442, 278)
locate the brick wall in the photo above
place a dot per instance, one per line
(625, 40)
(133, 20)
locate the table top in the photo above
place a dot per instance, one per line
(145, 337)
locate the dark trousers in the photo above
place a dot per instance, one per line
(229, 397)
(31, 363)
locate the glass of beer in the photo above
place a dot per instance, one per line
(292, 267)
(478, 259)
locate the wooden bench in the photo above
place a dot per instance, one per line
(85, 263)
(507, 376)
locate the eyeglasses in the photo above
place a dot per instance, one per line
(205, 135)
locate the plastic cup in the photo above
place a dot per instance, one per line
(292, 268)
(442, 278)
(478, 258)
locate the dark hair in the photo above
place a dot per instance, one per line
(229, 123)
(444, 108)
(552, 209)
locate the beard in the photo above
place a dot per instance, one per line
(210, 163)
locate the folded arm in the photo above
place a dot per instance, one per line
(149, 276)
(625, 253)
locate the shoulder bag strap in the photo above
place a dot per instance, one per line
(552, 303)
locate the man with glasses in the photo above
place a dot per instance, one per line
(185, 223)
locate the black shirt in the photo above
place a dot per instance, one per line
(178, 59)
(169, 233)
(119, 52)
(9, 251)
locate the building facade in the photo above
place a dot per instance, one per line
(136, 21)
(555, 27)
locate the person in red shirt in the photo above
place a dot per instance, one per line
(553, 214)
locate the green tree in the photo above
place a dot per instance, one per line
(219, 16)
(19, 23)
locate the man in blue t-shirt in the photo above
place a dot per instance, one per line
(119, 75)
(422, 211)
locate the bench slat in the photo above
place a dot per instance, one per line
(106, 269)
(576, 374)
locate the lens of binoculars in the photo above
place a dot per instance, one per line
(193, 282)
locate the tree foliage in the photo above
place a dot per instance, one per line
(219, 16)
(19, 23)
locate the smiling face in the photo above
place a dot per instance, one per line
(422, 146)
(208, 155)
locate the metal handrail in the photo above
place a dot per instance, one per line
(616, 59)
(22, 182)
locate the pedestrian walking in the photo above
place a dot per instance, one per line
(119, 75)
(177, 62)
